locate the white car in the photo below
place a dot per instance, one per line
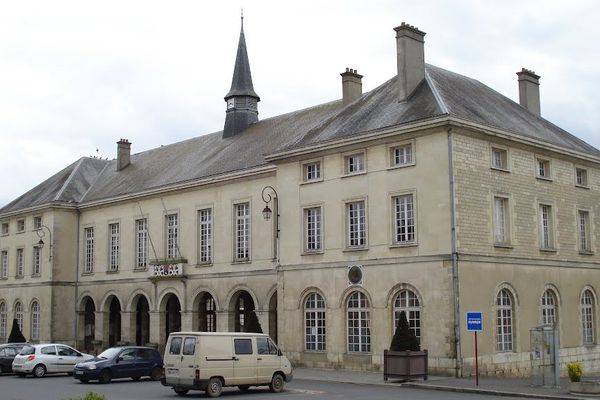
(42, 359)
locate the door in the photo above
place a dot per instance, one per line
(144, 362)
(125, 364)
(67, 358)
(267, 359)
(50, 358)
(172, 360)
(188, 363)
(244, 361)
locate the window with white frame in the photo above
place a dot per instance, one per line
(311, 171)
(499, 158)
(359, 331)
(21, 225)
(115, 238)
(549, 314)
(408, 302)
(587, 317)
(35, 320)
(404, 218)
(402, 155)
(543, 168)
(141, 243)
(501, 220)
(314, 323)
(4, 264)
(20, 262)
(546, 227)
(211, 314)
(4, 229)
(242, 231)
(19, 315)
(205, 223)
(37, 260)
(504, 321)
(312, 229)
(356, 224)
(581, 177)
(37, 222)
(172, 235)
(88, 256)
(583, 222)
(354, 163)
(3, 322)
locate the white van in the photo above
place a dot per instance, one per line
(210, 360)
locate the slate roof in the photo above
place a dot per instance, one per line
(241, 83)
(443, 93)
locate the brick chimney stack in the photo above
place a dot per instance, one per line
(351, 85)
(529, 90)
(123, 154)
(411, 59)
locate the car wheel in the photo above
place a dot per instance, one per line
(105, 376)
(214, 388)
(39, 371)
(84, 379)
(244, 388)
(180, 391)
(156, 374)
(277, 383)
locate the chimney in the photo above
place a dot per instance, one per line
(351, 85)
(123, 154)
(411, 59)
(529, 90)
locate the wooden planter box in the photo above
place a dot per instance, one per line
(404, 364)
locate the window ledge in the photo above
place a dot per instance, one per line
(401, 245)
(351, 249)
(392, 167)
(20, 232)
(358, 353)
(500, 169)
(543, 178)
(548, 250)
(19, 277)
(4, 234)
(311, 181)
(36, 275)
(4, 278)
(312, 253)
(348, 175)
(315, 351)
(90, 273)
(112, 271)
(234, 262)
(140, 269)
(503, 245)
(204, 264)
(586, 253)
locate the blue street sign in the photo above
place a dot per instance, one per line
(475, 321)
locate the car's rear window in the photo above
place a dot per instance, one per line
(27, 350)
(48, 350)
(175, 347)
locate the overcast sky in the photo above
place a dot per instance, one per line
(76, 76)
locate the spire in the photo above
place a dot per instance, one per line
(241, 84)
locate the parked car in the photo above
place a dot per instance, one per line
(42, 359)
(121, 362)
(7, 355)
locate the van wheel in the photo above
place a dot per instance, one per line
(277, 383)
(180, 391)
(214, 388)
(244, 388)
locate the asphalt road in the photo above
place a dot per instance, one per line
(66, 388)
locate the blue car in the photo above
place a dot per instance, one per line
(121, 362)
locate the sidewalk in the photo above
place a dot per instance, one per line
(511, 387)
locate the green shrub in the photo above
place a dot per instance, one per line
(404, 338)
(575, 371)
(252, 324)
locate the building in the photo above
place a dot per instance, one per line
(432, 194)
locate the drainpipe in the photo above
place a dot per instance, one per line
(76, 319)
(455, 280)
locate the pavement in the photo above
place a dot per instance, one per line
(509, 387)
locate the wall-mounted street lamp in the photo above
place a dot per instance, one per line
(41, 234)
(267, 213)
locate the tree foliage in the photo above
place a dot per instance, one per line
(253, 325)
(16, 336)
(404, 338)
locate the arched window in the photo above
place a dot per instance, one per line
(35, 321)
(359, 332)
(19, 315)
(408, 302)
(504, 321)
(314, 322)
(549, 314)
(587, 317)
(3, 322)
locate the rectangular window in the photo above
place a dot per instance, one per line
(4, 264)
(499, 158)
(312, 229)
(175, 347)
(21, 225)
(581, 177)
(354, 163)
(242, 232)
(543, 168)
(205, 235)
(19, 262)
(141, 243)
(242, 346)
(36, 260)
(501, 221)
(546, 232)
(402, 155)
(4, 228)
(189, 346)
(583, 218)
(37, 222)
(311, 171)
(356, 224)
(404, 219)
(88, 258)
(172, 235)
(114, 240)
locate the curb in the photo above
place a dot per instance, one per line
(486, 391)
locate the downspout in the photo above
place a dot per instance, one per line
(76, 314)
(455, 280)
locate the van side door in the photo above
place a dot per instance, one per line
(188, 363)
(244, 361)
(172, 360)
(267, 360)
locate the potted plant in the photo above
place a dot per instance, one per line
(404, 359)
(579, 386)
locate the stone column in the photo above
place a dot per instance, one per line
(223, 321)
(127, 336)
(99, 331)
(155, 327)
(186, 321)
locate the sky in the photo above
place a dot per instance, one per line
(76, 76)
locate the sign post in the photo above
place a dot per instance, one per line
(475, 324)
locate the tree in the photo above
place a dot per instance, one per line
(253, 325)
(404, 338)
(15, 334)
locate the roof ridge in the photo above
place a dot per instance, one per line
(69, 179)
(436, 94)
(82, 199)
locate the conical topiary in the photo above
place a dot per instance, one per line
(16, 336)
(404, 338)
(253, 325)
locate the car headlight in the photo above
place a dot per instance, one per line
(91, 366)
